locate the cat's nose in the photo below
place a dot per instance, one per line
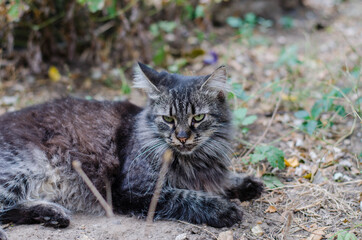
(182, 136)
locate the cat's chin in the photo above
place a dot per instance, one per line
(185, 149)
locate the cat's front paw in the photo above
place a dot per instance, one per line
(247, 189)
(225, 214)
(51, 215)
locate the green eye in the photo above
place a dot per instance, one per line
(199, 118)
(168, 119)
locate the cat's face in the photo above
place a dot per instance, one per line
(188, 113)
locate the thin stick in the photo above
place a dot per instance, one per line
(268, 127)
(167, 156)
(108, 192)
(207, 231)
(287, 225)
(78, 167)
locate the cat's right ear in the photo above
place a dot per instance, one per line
(145, 78)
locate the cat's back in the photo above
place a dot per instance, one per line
(39, 143)
(77, 118)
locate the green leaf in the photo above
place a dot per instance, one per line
(16, 10)
(318, 107)
(234, 22)
(287, 22)
(288, 57)
(240, 113)
(274, 155)
(95, 5)
(301, 114)
(154, 30)
(311, 126)
(199, 11)
(159, 56)
(341, 235)
(272, 181)
(256, 157)
(350, 236)
(250, 18)
(239, 91)
(340, 110)
(249, 120)
(125, 88)
(167, 26)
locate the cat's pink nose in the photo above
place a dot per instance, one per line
(182, 136)
(182, 140)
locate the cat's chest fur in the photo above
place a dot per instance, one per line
(190, 172)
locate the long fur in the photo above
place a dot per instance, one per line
(124, 144)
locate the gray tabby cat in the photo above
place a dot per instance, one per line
(124, 144)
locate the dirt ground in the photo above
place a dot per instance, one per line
(311, 209)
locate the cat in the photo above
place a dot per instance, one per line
(124, 144)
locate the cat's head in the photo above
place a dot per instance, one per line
(189, 113)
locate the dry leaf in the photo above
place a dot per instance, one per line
(54, 74)
(291, 162)
(317, 234)
(290, 98)
(271, 209)
(308, 176)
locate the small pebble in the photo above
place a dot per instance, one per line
(182, 236)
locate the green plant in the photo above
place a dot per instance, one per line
(238, 92)
(274, 155)
(346, 234)
(246, 27)
(288, 57)
(241, 119)
(312, 119)
(159, 30)
(271, 181)
(286, 22)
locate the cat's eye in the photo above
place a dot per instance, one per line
(167, 119)
(199, 118)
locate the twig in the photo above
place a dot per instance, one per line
(347, 134)
(167, 156)
(287, 225)
(207, 231)
(78, 167)
(108, 192)
(268, 127)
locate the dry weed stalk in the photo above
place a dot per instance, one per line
(78, 167)
(269, 124)
(167, 157)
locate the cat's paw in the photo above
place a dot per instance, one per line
(247, 188)
(51, 215)
(225, 214)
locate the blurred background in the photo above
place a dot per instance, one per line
(294, 68)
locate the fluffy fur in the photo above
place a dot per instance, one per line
(124, 144)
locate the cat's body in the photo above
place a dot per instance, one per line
(124, 144)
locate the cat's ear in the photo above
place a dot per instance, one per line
(217, 80)
(145, 78)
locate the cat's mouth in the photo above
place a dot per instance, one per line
(185, 148)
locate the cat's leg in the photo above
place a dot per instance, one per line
(47, 213)
(197, 207)
(244, 187)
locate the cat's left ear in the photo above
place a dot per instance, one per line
(217, 80)
(146, 78)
